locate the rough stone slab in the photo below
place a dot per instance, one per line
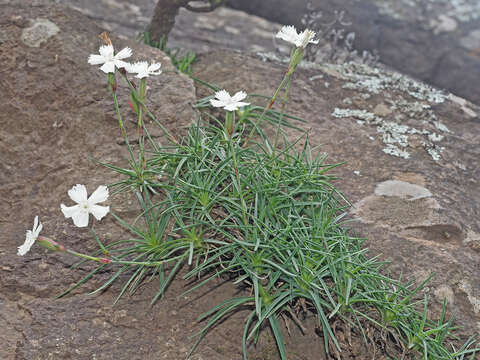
(419, 211)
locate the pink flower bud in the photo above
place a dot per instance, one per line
(50, 244)
(105, 261)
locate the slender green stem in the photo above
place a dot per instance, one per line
(120, 124)
(139, 101)
(110, 261)
(267, 107)
(141, 159)
(229, 129)
(284, 103)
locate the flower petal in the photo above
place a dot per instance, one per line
(288, 33)
(36, 231)
(239, 96)
(217, 103)
(69, 211)
(141, 75)
(106, 51)
(99, 195)
(25, 247)
(223, 95)
(130, 67)
(99, 211)
(22, 249)
(120, 64)
(80, 219)
(241, 104)
(307, 37)
(154, 67)
(95, 59)
(35, 223)
(108, 67)
(78, 193)
(123, 54)
(231, 107)
(30, 238)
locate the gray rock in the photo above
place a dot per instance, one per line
(39, 32)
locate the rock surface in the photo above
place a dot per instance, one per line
(435, 41)
(56, 116)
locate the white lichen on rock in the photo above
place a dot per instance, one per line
(39, 32)
(467, 288)
(375, 80)
(362, 115)
(397, 117)
(394, 135)
(402, 189)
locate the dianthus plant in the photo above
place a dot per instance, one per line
(227, 201)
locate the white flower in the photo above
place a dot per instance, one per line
(79, 213)
(109, 60)
(289, 33)
(230, 103)
(30, 238)
(143, 70)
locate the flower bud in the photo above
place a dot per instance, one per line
(295, 60)
(105, 260)
(50, 244)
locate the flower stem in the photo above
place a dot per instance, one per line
(284, 103)
(267, 107)
(141, 140)
(110, 261)
(229, 129)
(120, 124)
(149, 114)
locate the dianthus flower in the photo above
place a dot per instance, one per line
(229, 103)
(301, 40)
(143, 70)
(30, 238)
(80, 212)
(108, 59)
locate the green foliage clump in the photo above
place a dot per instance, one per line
(266, 216)
(274, 223)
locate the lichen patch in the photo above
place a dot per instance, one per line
(39, 32)
(402, 190)
(396, 117)
(384, 211)
(467, 288)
